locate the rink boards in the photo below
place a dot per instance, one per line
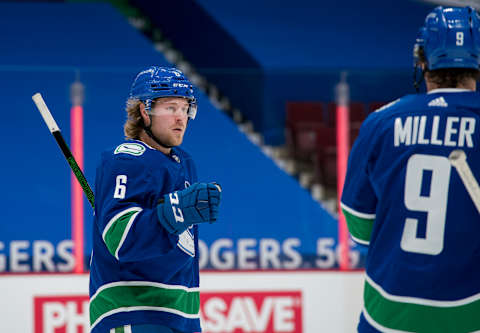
(275, 301)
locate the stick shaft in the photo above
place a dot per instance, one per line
(55, 130)
(469, 181)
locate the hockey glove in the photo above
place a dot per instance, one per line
(198, 203)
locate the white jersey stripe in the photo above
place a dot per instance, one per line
(360, 241)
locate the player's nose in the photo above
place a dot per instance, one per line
(181, 120)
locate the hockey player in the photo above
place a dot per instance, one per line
(144, 271)
(405, 201)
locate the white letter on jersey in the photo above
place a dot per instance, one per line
(435, 140)
(403, 134)
(467, 127)
(421, 131)
(449, 131)
(120, 188)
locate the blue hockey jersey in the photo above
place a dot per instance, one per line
(405, 201)
(140, 273)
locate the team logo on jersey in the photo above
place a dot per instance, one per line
(131, 148)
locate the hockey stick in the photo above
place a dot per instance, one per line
(53, 127)
(458, 159)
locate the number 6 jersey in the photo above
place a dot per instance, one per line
(405, 201)
(140, 273)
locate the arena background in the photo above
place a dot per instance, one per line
(271, 263)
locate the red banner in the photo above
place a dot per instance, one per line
(61, 314)
(238, 312)
(225, 312)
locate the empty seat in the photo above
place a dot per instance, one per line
(325, 162)
(325, 158)
(356, 112)
(303, 121)
(311, 135)
(305, 112)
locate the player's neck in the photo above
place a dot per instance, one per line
(466, 84)
(149, 141)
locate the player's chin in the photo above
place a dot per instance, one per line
(177, 140)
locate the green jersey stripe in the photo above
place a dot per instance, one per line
(117, 229)
(122, 329)
(421, 315)
(137, 296)
(113, 219)
(379, 327)
(357, 213)
(422, 301)
(142, 308)
(125, 233)
(360, 228)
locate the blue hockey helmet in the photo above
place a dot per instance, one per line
(450, 38)
(155, 82)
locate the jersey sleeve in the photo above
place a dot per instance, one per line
(358, 201)
(126, 197)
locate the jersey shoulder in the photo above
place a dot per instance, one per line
(443, 100)
(408, 104)
(468, 101)
(130, 155)
(133, 148)
(400, 104)
(377, 124)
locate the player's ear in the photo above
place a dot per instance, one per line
(144, 114)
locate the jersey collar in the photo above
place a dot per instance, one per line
(173, 154)
(144, 143)
(447, 90)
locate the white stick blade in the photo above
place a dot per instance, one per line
(46, 115)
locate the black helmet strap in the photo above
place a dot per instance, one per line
(417, 81)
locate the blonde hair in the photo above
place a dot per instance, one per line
(134, 124)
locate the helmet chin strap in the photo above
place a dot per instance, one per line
(417, 81)
(148, 130)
